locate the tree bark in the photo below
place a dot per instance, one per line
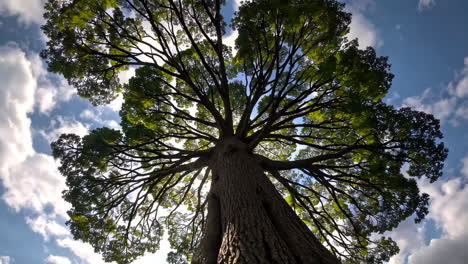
(250, 221)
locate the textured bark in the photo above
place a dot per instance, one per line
(209, 248)
(256, 224)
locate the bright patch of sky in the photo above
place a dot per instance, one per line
(423, 39)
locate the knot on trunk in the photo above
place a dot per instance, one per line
(231, 145)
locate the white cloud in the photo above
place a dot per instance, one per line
(230, 40)
(426, 4)
(116, 104)
(449, 199)
(450, 105)
(361, 27)
(31, 181)
(32, 69)
(61, 125)
(440, 108)
(16, 101)
(28, 11)
(6, 260)
(460, 88)
(448, 205)
(460, 115)
(237, 3)
(29, 178)
(88, 114)
(35, 184)
(51, 259)
(96, 115)
(447, 208)
(409, 237)
(46, 227)
(464, 169)
(45, 97)
(364, 31)
(80, 249)
(124, 76)
(443, 250)
(48, 92)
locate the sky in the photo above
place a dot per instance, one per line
(426, 43)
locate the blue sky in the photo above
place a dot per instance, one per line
(425, 41)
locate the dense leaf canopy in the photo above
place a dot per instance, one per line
(305, 100)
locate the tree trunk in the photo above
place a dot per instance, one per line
(249, 221)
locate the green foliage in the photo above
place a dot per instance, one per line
(92, 219)
(75, 31)
(296, 92)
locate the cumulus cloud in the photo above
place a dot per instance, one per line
(441, 108)
(444, 250)
(82, 250)
(97, 115)
(28, 11)
(6, 260)
(61, 125)
(460, 115)
(51, 259)
(366, 32)
(449, 198)
(51, 88)
(460, 88)
(46, 227)
(465, 167)
(16, 100)
(29, 178)
(361, 27)
(409, 237)
(450, 105)
(230, 40)
(426, 4)
(447, 208)
(31, 181)
(116, 104)
(35, 184)
(124, 76)
(30, 72)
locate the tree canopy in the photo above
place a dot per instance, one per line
(305, 101)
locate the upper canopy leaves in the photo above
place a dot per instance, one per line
(305, 100)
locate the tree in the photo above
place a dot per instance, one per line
(278, 151)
